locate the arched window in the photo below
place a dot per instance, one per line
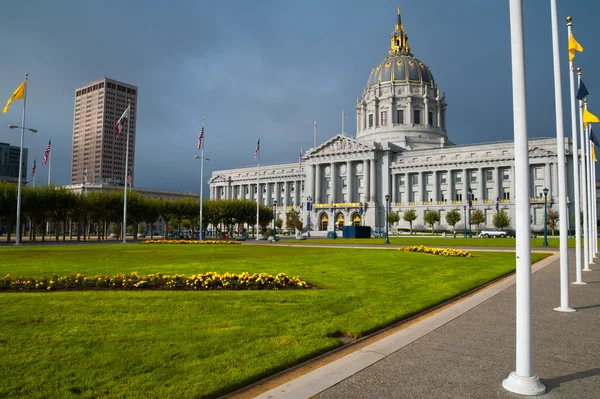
(339, 221)
(356, 219)
(323, 222)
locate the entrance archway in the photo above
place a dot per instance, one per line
(356, 220)
(323, 222)
(339, 221)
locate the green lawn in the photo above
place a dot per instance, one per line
(459, 241)
(183, 344)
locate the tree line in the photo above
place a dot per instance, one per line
(94, 213)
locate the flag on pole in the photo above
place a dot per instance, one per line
(201, 137)
(593, 138)
(47, 153)
(122, 121)
(300, 159)
(17, 95)
(594, 154)
(573, 45)
(343, 114)
(129, 179)
(588, 117)
(33, 170)
(315, 124)
(257, 149)
(582, 92)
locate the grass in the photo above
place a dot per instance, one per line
(184, 344)
(459, 241)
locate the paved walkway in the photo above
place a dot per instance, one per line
(466, 350)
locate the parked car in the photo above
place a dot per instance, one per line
(494, 232)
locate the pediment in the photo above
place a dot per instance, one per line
(218, 179)
(339, 144)
(536, 152)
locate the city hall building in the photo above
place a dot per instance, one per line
(402, 155)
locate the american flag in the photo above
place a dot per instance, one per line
(343, 114)
(33, 170)
(47, 152)
(315, 124)
(257, 149)
(201, 137)
(129, 180)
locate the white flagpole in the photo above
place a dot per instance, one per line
(201, 182)
(562, 175)
(576, 179)
(50, 160)
(86, 182)
(126, 172)
(258, 192)
(315, 135)
(18, 232)
(588, 159)
(522, 381)
(301, 187)
(595, 209)
(584, 146)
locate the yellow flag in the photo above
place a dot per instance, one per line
(588, 117)
(573, 45)
(17, 95)
(593, 151)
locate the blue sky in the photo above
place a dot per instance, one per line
(272, 67)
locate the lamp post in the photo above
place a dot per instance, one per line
(308, 211)
(465, 224)
(545, 243)
(18, 237)
(334, 235)
(274, 217)
(498, 212)
(470, 193)
(201, 158)
(387, 202)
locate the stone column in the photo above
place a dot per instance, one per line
(333, 186)
(364, 118)
(367, 178)
(498, 183)
(554, 188)
(357, 121)
(547, 179)
(436, 187)
(394, 188)
(451, 186)
(512, 182)
(408, 118)
(421, 188)
(480, 186)
(310, 183)
(465, 179)
(269, 199)
(373, 180)
(390, 112)
(426, 116)
(350, 181)
(318, 178)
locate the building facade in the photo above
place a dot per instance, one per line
(97, 148)
(9, 163)
(401, 157)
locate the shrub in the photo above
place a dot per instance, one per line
(436, 251)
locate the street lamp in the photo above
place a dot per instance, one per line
(308, 211)
(387, 210)
(201, 158)
(334, 235)
(470, 193)
(18, 237)
(498, 212)
(274, 217)
(465, 224)
(545, 243)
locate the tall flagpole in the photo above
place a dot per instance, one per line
(576, 179)
(18, 238)
(258, 191)
(50, 160)
(301, 188)
(562, 175)
(201, 182)
(315, 135)
(522, 381)
(582, 140)
(589, 163)
(126, 172)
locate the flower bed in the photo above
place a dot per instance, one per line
(436, 251)
(208, 281)
(190, 242)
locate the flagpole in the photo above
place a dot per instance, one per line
(201, 181)
(562, 175)
(126, 171)
(315, 135)
(50, 160)
(522, 381)
(301, 189)
(576, 180)
(588, 160)
(584, 197)
(258, 192)
(18, 232)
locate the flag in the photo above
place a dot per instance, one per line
(33, 170)
(594, 154)
(582, 92)
(593, 138)
(343, 114)
(257, 149)
(573, 45)
(201, 137)
(300, 159)
(315, 124)
(17, 95)
(129, 180)
(122, 121)
(47, 153)
(588, 117)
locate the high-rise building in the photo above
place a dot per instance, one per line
(9, 163)
(96, 146)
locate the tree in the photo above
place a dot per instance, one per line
(453, 217)
(292, 220)
(393, 217)
(431, 218)
(278, 222)
(552, 219)
(410, 215)
(477, 218)
(504, 220)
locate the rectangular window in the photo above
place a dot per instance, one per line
(370, 120)
(538, 172)
(360, 182)
(458, 196)
(383, 118)
(417, 116)
(458, 177)
(428, 178)
(400, 116)
(538, 191)
(401, 179)
(473, 177)
(429, 196)
(443, 195)
(505, 193)
(489, 194)
(505, 174)
(414, 179)
(430, 118)
(443, 178)
(489, 175)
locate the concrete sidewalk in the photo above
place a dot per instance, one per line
(467, 350)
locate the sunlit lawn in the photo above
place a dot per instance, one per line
(183, 344)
